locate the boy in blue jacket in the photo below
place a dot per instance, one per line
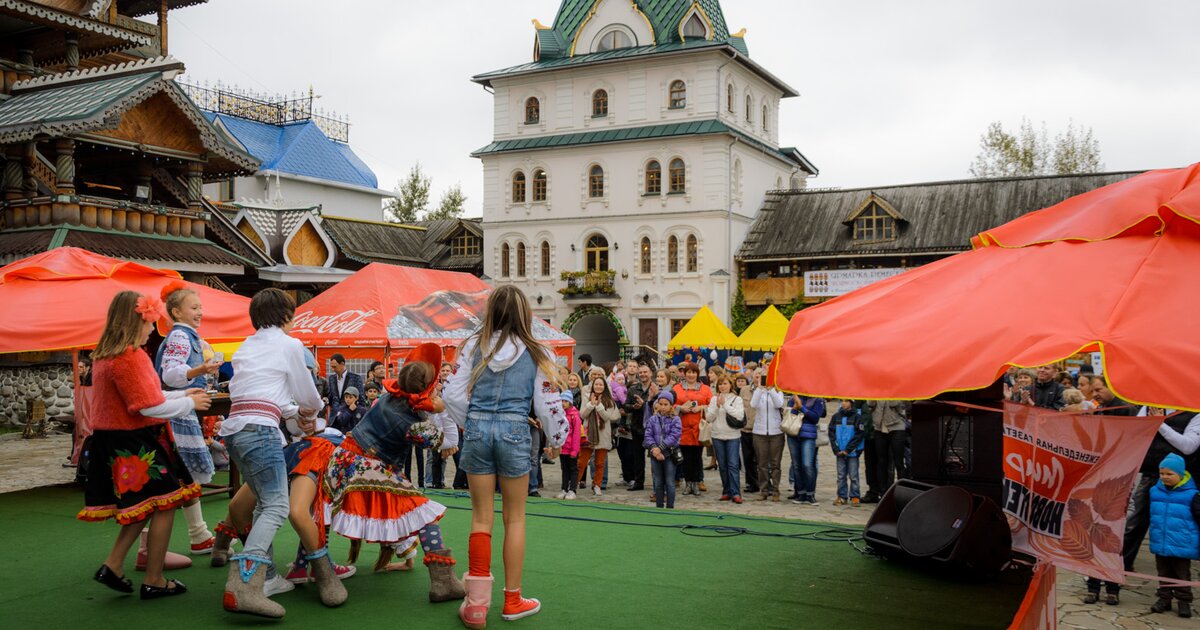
(846, 431)
(1174, 532)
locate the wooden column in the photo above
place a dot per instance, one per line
(162, 27)
(72, 52)
(64, 166)
(29, 181)
(195, 186)
(14, 174)
(25, 57)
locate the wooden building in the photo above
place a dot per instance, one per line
(886, 229)
(101, 148)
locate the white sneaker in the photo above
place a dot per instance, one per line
(570, 496)
(277, 585)
(596, 491)
(561, 495)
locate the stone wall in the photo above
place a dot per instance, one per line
(52, 383)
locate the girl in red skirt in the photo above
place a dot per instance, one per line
(370, 497)
(135, 473)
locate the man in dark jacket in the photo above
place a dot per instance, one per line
(1047, 391)
(633, 457)
(341, 378)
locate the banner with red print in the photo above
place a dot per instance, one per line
(1067, 479)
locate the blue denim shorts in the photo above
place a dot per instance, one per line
(496, 445)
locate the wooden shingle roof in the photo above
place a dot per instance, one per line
(938, 216)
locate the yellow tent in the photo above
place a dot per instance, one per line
(766, 333)
(704, 331)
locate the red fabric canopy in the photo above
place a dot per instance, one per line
(385, 305)
(1101, 271)
(58, 300)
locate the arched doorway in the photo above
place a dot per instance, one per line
(597, 332)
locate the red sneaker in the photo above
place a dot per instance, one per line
(342, 572)
(297, 575)
(517, 607)
(724, 497)
(199, 549)
(737, 499)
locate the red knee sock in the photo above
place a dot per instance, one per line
(479, 554)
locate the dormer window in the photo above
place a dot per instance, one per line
(613, 38)
(694, 27)
(874, 221)
(533, 111)
(466, 244)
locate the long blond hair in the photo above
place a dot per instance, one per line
(507, 313)
(122, 327)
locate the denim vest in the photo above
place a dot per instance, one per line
(383, 432)
(503, 395)
(195, 356)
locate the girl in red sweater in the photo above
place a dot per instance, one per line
(135, 472)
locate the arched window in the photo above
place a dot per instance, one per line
(596, 253)
(729, 97)
(520, 260)
(533, 111)
(545, 258)
(749, 108)
(599, 103)
(676, 174)
(539, 185)
(653, 178)
(518, 187)
(678, 96)
(693, 254)
(673, 254)
(765, 117)
(596, 182)
(645, 255)
(504, 256)
(613, 39)
(694, 28)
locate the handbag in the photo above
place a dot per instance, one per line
(676, 455)
(705, 432)
(791, 423)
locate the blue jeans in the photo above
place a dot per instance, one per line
(664, 481)
(729, 461)
(259, 456)
(496, 445)
(847, 469)
(535, 460)
(804, 465)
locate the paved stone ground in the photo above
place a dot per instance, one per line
(26, 464)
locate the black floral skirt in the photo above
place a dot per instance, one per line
(132, 474)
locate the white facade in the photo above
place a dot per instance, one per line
(335, 198)
(725, 178)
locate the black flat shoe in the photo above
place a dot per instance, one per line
(105, 576)
(155, 592)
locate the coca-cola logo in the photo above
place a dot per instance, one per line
(346, 322)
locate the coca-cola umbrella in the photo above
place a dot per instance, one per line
(1106, 271)
(384, 310)
(58, 300)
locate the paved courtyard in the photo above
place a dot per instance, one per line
(26, 464)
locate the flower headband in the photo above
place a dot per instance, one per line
(172, 286)
(150, 308)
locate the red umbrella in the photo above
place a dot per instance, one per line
(1036, 290)
(58, 300)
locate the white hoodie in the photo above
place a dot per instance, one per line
(547, 405)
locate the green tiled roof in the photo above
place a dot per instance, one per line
(75, 102)
(664, 17)
(631, 134)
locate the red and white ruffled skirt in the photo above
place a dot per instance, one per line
(373, 501)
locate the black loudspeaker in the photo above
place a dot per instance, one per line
(959, 446)
(944, 528)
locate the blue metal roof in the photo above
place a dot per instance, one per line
(299, 148)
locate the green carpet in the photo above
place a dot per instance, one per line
(588, 574)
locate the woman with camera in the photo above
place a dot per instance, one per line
(691, 398)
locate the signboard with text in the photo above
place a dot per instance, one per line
(835, 282)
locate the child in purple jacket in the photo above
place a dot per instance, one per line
(663, 430)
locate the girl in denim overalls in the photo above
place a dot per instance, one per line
(180, 364)
(502, 372)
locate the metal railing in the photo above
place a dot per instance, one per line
(273, 110)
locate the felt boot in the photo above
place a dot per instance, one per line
(244, 588)
(224, 535)
(333, 593)
(517, 607)
(443, 584)
(474, 609)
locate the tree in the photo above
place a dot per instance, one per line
(451, 205)
(413, 197)
(740, 317)
(1030, 152)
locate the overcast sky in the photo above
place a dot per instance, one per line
(890, 92)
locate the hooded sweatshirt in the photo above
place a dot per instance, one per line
(547, 406)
